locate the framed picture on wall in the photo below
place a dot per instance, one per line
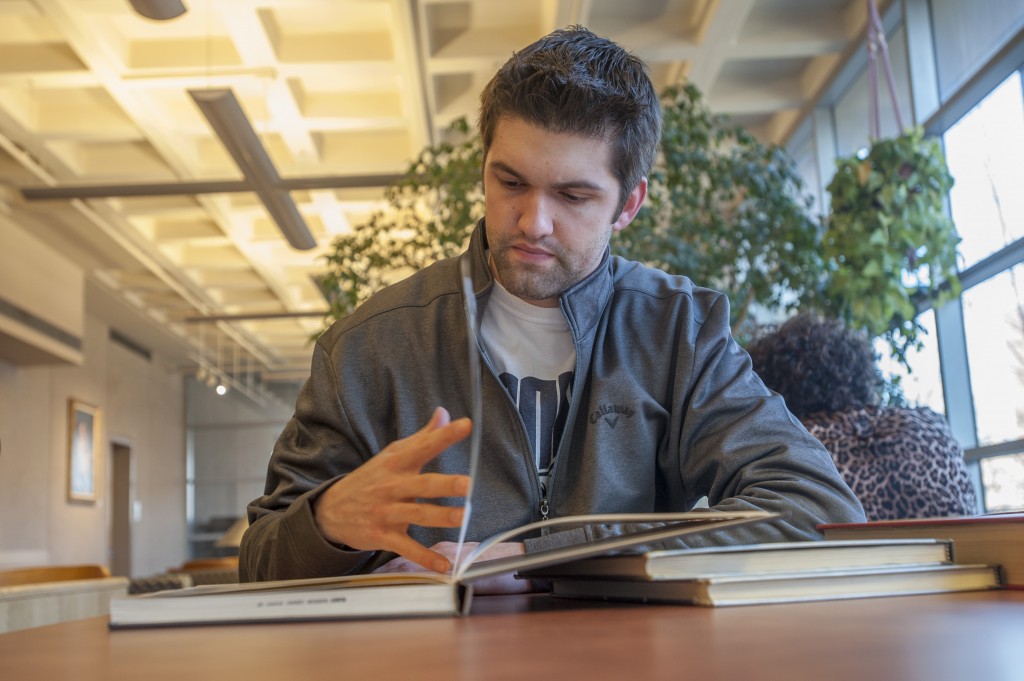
(83, 444)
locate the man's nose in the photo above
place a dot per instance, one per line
(535, 216)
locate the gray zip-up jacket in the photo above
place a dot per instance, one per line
(665, 410)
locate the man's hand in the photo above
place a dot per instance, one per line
(497, 584)
(372, 507)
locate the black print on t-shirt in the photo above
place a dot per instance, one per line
(543, 405)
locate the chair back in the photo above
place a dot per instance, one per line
(215, 563)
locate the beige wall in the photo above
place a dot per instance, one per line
(142, 404)
(143, 408)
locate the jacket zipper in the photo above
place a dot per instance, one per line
(544, 505)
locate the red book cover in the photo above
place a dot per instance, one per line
(989, 519)
(992, 539)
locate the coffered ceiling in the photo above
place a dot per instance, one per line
(341, 95)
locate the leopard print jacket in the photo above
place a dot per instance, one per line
(901, 463)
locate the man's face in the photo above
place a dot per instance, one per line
(551, 201)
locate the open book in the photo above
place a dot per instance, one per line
(401, 594)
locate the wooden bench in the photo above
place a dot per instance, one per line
(51, 573)
(36, 596)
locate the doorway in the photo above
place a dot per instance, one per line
(122, 488)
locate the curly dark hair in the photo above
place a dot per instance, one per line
(817, 365)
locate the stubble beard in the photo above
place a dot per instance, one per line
(531, 282)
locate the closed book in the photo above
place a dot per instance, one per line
(349, 597)
(994, 539)
(812, 585)
(756, 558)
(401, 594)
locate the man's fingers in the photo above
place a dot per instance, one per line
(406, 547)
(424, 515)
(433, 486)
(429, 442)
(439, 418)
(413, 452)
(373, 506)
(422, 486)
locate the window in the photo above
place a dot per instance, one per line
(922, 387)
(967, 37)
(1003, 481)
(993, 315)
(985, 155)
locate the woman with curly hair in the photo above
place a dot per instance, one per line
(901, 462)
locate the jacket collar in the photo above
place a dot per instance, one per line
(582, 305)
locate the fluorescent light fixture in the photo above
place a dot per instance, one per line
(135, 190)
(160, 10)
(229, 122)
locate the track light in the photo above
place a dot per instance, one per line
(160, 10)
(222, 388)
(229, 121)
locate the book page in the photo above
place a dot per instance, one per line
(476, 401)
(669, 525)
(312, 583)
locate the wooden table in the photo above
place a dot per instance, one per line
(964, 636)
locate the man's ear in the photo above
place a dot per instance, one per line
(632, 206)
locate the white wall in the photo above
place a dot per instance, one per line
(142, 405)
(231, 442)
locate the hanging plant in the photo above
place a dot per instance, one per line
(889, 246)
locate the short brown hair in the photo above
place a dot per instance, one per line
(573, 81)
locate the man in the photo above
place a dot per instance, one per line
(611, 387)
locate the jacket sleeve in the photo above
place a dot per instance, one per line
(740, 444)
(735, 442)
(314, 450)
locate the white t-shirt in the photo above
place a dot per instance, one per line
(532, 352)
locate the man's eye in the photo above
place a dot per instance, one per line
(510, 184)
(573, 198)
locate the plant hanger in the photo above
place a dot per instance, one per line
(879, 49)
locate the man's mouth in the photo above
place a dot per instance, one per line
(532, 253)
